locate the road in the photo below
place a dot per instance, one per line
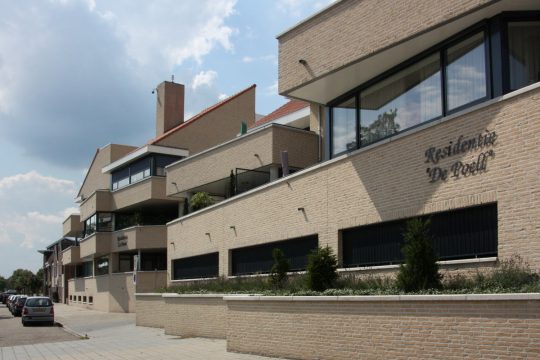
(12, 332)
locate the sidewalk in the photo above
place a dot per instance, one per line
(115, 336)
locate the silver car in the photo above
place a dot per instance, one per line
(38, 309)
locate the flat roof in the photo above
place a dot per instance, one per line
(143, 151)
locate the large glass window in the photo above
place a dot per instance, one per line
(154, 261)
(466, 72)
(125, 262)
(152, 165)
(90, 225)
(102, 266)
(196, 267)
(524, 53)
(344, 126)
(401, 101)
(104, 222)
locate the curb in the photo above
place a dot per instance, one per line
(70, 330)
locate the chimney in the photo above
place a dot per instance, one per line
(169, 106)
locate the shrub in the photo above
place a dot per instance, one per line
(200, 200)
(278, 273)
(420, 270)
(321, 269)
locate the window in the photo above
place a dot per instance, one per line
(90, 299)
(466, 72)
(84, 299)
(406, 99)
(458, 234)
(125, 262)
(102, 266)
(79, 298)
(104, 221)
(523, 53)
(258, 259)
(344, 126)
(84, 269)
(154, 261)
(196, 267)
(90, 225)
(152, 165)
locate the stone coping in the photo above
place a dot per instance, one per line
(365, 298)
(148, 294)
(172, 295)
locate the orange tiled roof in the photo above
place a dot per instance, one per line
(200, 115)
(288, 108)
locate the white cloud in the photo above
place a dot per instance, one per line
(84, 75)
(272, 89)
(222, 96)
(33, 179)
(301, 8)
(250, 59)
(204, 78)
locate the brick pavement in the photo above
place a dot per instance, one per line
(115, 337)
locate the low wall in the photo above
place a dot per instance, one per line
(150, 310)
(385, 327)
(199, 315)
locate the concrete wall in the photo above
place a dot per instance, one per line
(267, 143)
(386, 327)
(214, 127)
(72, 225)
(115, 292)
(139, 237)
(388, 181)
(351, 30)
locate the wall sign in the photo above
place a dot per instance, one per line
(481, 142)
(121, 240)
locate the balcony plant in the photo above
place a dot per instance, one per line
(200, 200)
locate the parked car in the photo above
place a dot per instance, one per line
(7, 294)
(18, 305)
(38, 309)
(10, 301)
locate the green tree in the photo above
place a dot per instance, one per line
(200, 200)
(22, 280)
(420, 270)
(278, 273)
(321, 269)
(38, 282)
(3, 283)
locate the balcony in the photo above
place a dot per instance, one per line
(100, 200)
(72, 226)
(71, 255)
(139, 237)
(95, 245)
(252, 154)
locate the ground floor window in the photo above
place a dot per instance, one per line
(154, 261)
(458, 234)
(196, 267)
(102, 266)
(258, 259)
(84, 269)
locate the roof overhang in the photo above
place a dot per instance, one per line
(143, 151)
(337, 82)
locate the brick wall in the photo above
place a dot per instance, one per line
(195, 315)
(387, 327)
(351, 30)
(388, 181)
(150, 310)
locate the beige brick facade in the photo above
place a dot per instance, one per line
(385, 327)
(351, 30)
(388, 181)
(113, 292)
(150, 310)
(196, 316)
(252, 151)
(214, 127)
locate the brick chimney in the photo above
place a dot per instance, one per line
(169, 106)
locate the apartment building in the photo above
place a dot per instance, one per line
(416, 108)
(124, 205)
(55, 273)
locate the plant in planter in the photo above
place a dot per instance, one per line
(420, 270)
(200, 200)
(278, 273)
(321, 269)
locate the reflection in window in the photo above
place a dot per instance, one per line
(403, 100)
(524, 52)
(344, 126)
(102, 266)
(466, 72)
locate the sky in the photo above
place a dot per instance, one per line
(78, 74)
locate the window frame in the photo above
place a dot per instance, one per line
(439, 48)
